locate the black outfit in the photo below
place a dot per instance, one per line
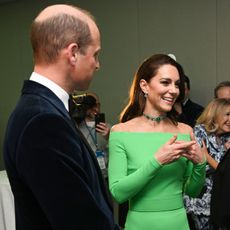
(54, 175)
(190, 112)
(220, 199)
(123, 211)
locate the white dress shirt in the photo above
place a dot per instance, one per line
(56, 89)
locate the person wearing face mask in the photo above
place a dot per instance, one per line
(213, 127)
(153, 159)
(97, 134)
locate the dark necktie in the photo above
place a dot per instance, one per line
(72, 106)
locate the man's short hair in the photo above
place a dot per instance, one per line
(51, 35)
(220, 85)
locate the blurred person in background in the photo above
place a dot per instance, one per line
(188, 110)
(96, 132)
(220, 198)
(222, 90)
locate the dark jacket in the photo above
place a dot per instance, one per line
(190, 112)
(220, 197)
(54, 176)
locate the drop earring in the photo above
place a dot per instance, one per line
(145, 94)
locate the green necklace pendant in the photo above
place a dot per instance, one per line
(157, 119)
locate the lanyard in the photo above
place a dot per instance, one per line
(92, 135)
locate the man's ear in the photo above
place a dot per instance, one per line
(73, 52)
(144, 86)
(73, 58)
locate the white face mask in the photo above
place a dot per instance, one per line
(90, 123)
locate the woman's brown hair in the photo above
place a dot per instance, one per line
(147, 70)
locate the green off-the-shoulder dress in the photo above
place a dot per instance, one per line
(154, 191)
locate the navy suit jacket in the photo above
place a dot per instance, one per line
(56, 181)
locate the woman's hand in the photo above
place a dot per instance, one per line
(196, 153)
(173, 149)
(103, 129)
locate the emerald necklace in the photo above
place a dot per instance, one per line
(157, 119)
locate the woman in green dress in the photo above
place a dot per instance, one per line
(154, 159)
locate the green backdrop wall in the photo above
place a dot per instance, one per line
(197, 32)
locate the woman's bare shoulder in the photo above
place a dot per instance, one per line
(117, 127)
(124, 127)
(184, 128)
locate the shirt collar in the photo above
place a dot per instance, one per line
(185, 101)
(56, 89)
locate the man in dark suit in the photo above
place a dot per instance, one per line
(188, 110)
(56, 181)
(220, 197)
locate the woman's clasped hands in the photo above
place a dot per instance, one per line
(174, 149)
